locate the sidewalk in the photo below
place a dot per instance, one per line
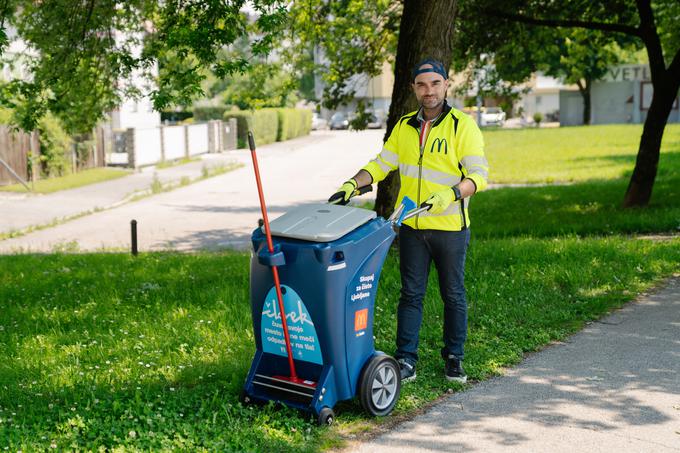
(21, 211)
(613, 387)
(213, 214)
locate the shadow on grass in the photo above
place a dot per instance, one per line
(589, 208)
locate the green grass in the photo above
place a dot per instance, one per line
(105, 350)
(586, 208)
(83, 178)
(150, 353)
(568, 154)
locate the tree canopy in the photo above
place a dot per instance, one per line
(85, 56)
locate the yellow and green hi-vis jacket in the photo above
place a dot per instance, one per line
(453, 150)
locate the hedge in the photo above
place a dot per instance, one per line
(293, 123)
(209, 112)
(270, 125)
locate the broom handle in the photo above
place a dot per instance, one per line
(270, 246)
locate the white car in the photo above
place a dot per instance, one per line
(493, 116)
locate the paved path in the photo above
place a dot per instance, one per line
(21, 210)
(219, 212)
(613, 387)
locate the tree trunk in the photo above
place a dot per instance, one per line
(641, 183)
(426, 30)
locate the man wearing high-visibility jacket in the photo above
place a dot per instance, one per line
(439, 152)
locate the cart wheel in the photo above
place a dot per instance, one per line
(379, 385)
(244, 398)
(326, 417)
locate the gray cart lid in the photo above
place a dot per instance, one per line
(319, 222)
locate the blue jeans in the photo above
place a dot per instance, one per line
(417, 249)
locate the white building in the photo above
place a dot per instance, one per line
(622, 96)
(543, 97)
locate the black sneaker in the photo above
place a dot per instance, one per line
(407, 371)
(455, 371)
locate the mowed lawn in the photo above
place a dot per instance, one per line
(570, 154)
(71, 181)
(149, 353)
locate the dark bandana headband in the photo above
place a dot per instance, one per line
(437, 67)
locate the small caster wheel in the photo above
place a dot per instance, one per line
(379, 385)
(326, 417)
(244, 398)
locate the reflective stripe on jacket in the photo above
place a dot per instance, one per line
(454, 150)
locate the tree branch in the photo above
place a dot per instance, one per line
(580, 86)
(619, 28)
(90, 9)
(650, 37)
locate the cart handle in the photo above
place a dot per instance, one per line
(357, 192)
(406, 210)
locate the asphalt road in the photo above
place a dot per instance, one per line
(219, 212)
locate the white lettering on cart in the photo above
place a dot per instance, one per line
(365, 285)
(359, 296)
(299, 317)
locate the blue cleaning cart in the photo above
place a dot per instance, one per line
(329, 260)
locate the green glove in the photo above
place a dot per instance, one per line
(440, 200)
(344, 193)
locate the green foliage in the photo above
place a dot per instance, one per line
(264, 85)
(293, 123)
(55, 147)
(176, 116)
(538, 117)
(265, 126)
(356, 37)
(209, 112)
(270, 125)
(5, 116)
(87, 54)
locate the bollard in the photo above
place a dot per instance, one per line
(133, 232)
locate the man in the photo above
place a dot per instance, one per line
(439, 152)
